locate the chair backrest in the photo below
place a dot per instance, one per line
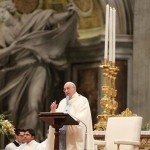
(124, 128)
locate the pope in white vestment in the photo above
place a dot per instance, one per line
(78, 137)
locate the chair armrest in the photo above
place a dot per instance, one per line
(99, 142)
(127, 142)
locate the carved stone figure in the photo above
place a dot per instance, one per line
(31, 48)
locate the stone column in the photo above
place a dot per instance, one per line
(140, 102)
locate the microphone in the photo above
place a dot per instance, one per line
(85, 143)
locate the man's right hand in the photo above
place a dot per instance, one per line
(53, 106)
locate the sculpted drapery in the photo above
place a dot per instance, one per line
(29, 51)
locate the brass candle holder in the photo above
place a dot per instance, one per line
(113, 70)
(108, 102)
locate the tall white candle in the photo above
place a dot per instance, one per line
(110, 35)
(114, 34)
(106, 32)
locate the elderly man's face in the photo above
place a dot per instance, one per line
(69, 89)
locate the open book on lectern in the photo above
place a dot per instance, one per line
(58, 118)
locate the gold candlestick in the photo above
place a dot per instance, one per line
(113, 73)
(108, 102)
(104, 102)
(105, 88)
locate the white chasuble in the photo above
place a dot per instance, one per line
(78, 137)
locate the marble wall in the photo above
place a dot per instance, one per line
(140, 100)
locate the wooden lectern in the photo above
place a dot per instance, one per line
(57, 120)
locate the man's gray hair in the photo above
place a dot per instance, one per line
(8, 5)
(71, 83)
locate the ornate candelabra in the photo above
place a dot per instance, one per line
(108, 102)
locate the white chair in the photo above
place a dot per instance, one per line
(122, 133)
